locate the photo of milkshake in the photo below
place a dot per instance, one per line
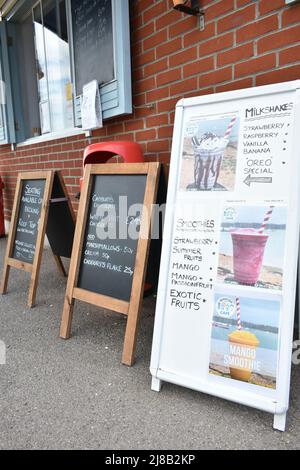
(209, 153)
(248, 253)
(243, 345)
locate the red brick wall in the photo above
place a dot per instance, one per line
(244, 44)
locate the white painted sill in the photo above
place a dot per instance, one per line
(53, 136)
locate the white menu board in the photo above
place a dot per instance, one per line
(226, 296)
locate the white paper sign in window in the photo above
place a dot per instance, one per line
(91, 110)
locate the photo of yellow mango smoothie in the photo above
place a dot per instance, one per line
(245, 338)
(243, 345)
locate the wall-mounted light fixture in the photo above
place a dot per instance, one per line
(190, 7)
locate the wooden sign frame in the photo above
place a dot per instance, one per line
(132, 308)
(34, 268)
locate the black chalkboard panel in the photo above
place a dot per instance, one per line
(93, 42)
(28, 218)
(61, 225)
(107, 265)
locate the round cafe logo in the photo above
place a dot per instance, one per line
(191, 130)
(225, 307)
(230, 213)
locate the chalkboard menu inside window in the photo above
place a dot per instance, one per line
(107, 265)
(28, 220)
(92, 41)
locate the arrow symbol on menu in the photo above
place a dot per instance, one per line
(257, 179)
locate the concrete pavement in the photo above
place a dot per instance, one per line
(75, 394)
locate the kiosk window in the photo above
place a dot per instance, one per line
(43, 51)
(59, 46)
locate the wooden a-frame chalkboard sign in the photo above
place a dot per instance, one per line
(110, 273)
(41, 206)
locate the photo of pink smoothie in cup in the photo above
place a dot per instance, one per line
(251, 249)
(248, 253)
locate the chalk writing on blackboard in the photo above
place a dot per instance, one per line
(28, 220)
(107, 264)
(93, 41)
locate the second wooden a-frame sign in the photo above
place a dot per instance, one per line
(41, 206)
(110, 272)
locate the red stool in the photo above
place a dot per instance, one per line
(130, 152)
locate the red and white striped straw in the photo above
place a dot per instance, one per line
(266, 220)
(238, 312)
(230, 127)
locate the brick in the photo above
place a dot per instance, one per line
(183, 86)
(279, 39)
(168, 77)
(158, 9)
(219, 76)
(166, 105)
(164, 158)
(137, 48)
(154, 40)
(186, 24)
(75, 172)
(254, 66)
(236, 85)
(281, 75)
(158, 146)
(197, 36)
(292, 54)
(291, 15)
(236, 19)
(158, 120)
(216, 44)
(235, 55)
(184, 56)
(164, 132)
(217, 9)
(256, 29)
(134, 125)
(141, 5)
(139, 100)
(136, 22)
(165, 20)
(143, 32)
(156, 67)
(265, 6)
(143, 112)
(144, 58)
(157, 94)
(152, 158)
(146, 135)
(168, 48)
(143, 85)
(199, 66)
(241, 3)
